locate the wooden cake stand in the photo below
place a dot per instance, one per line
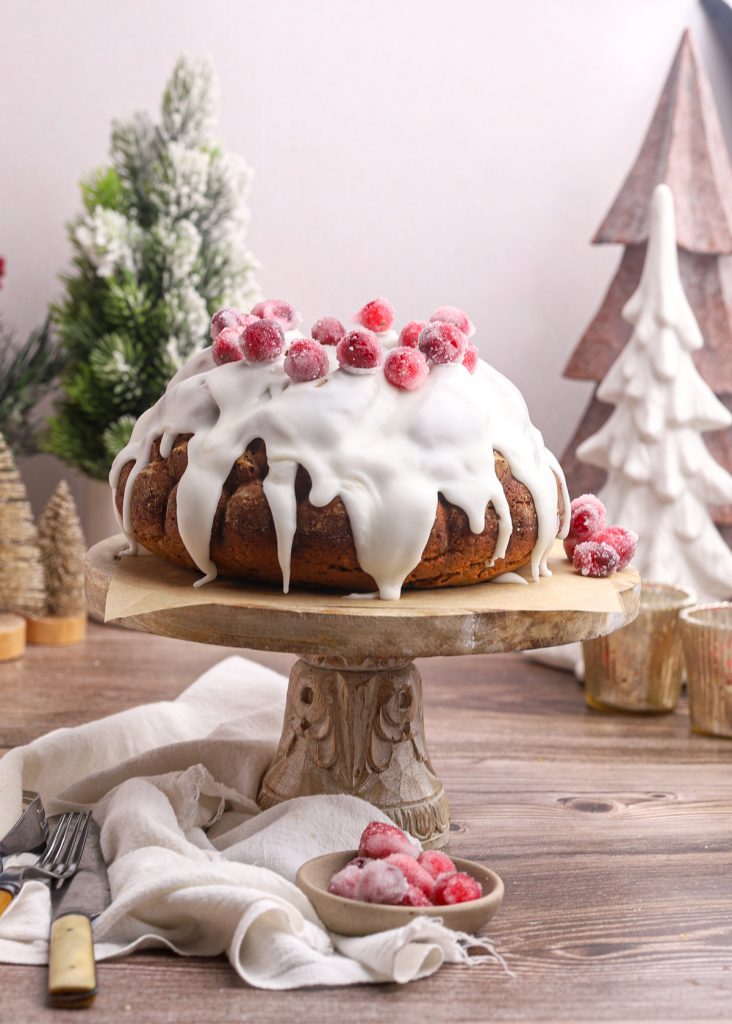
(353, 715)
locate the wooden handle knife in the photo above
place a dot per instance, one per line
(72, 975)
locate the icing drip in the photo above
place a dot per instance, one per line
(387, 454)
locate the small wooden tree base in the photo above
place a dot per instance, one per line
(12, 637)
(57, 630)
(357, 728)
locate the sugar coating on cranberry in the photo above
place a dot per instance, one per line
(227, 346)
(278, 309)
(379, 882)
(343, 883)
(360, 352)
(406, 368)
(222, 318)
(377, 315)
(306, 359)
(414, 897)
(442, 342)
(360, 862)
(380, 838)
(587, 516)
(595, 558)
(452, 315)
(328, 330)
(263, 341)
(470, 358)
(624, 541)
(409, 334)
(456, 887)
(436, 862)
(413, 871)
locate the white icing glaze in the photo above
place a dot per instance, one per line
(510, 577)
(386, 453)
(389, 339)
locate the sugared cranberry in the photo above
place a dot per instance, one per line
(587, 516)
(624, 541)
(226, 317)
(413, 871)
(377, 315)
(595, 558)
(379, 882)
(409, 334)
(436, 862)
(442, 342)
(277, 309)
(457, 887)
(343, 883)
(361, 862)
(380, 838)
(406, 368)
(470, 358)
(227, 346)
(328, 330)
(452, 315)
(263, 341)
(414, 897)
(360, 352)
(306, 359)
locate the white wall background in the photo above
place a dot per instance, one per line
(436, 151)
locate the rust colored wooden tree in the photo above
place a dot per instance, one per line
(684, 147)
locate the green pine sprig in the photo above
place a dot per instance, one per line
(27, 374)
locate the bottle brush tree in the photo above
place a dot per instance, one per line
(63, 552)
(22, 583)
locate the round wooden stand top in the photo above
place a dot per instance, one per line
(425, 623)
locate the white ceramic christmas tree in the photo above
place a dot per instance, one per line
(661, 477)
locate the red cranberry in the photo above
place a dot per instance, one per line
(306, 359)
(264, 340)
(377, 315)
(442, 342)
(328, 330)
(227, 346)
(360, 351)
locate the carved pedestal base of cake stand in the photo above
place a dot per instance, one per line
(357, 728)
(353, 718)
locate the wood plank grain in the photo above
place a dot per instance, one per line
(612, 833)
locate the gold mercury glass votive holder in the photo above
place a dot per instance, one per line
(638, 668)
(706, 632)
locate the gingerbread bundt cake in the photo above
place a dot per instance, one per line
(371, 462)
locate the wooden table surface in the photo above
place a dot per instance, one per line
(613, 835)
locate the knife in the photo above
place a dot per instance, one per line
(30, 832)
(72, 976)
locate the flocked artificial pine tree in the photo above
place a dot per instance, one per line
(22, 588)
(63, 552)
(160, 246)
(660, 475)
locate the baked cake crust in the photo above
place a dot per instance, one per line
(244, 545)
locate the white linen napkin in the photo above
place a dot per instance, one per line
(193, 864)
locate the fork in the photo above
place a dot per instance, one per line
(58, 862)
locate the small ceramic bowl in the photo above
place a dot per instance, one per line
(352, 917)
